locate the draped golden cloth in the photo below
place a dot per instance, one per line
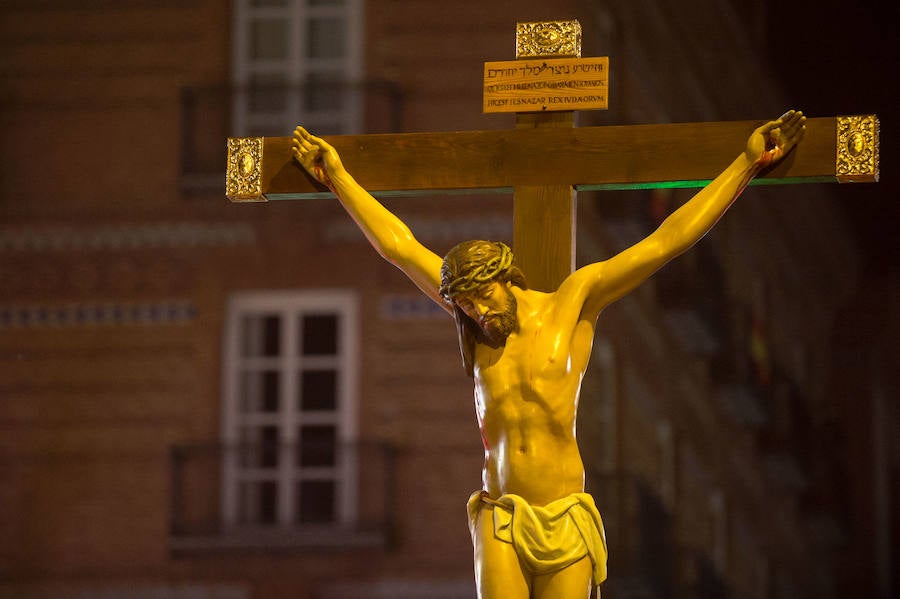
(551, 537)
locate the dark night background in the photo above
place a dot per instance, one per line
(842, 58)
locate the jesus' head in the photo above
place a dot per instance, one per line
(476, 277)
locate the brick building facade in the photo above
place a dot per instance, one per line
(202, 399)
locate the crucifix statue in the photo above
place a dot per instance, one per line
(526, 323)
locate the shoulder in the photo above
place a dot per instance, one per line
(578, 293)
(581, 283)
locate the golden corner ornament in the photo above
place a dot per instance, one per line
(243, 173)
(549, 74)
(858, 148)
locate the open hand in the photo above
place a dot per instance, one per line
(316, 155)
(770, 142)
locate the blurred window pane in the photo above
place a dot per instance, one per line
(318, 446)
(268, 93)
(269, 39)
(258, 502)
(319, 334)
(260, 336)
(259, 391)
(326, 37)
(316, 500)
(259, 447)
(318, 390)
(323, 91)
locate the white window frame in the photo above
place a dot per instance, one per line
(295, 67)
(291, 306)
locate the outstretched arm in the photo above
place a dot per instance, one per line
(604, 282)
(387, 233)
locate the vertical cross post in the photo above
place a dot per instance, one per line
(544, 215)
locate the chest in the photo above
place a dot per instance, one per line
(537, 355)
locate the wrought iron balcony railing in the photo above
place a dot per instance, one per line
(267, 495)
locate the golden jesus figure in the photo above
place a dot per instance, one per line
(536, 533)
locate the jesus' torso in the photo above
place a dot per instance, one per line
(526, 397)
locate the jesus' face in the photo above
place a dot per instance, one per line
(493, 308)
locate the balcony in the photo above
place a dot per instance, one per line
(217, 505)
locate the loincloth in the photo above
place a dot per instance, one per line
(547, 538)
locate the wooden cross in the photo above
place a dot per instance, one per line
(544, 160)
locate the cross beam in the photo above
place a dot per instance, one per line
(835, 149)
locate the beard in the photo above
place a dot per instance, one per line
(497, 326)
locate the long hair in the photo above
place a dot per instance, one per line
(467, 267)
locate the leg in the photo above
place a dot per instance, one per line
(570, 583)
(498, 573)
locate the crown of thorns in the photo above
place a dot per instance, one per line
(478, 275)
